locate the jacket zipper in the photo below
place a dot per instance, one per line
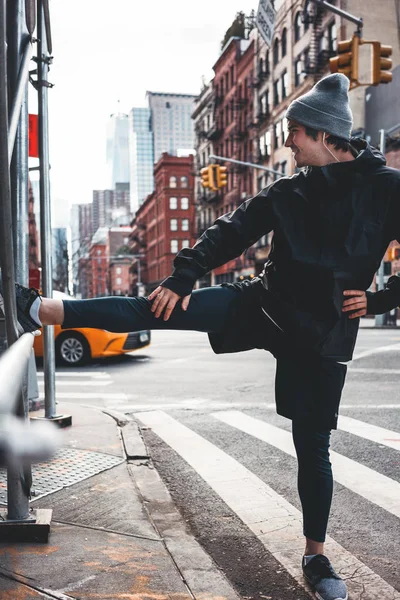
(271, 319)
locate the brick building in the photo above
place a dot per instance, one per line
(164, 223)
(231, 132)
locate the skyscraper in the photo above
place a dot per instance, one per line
(110, 206)
(141, 156)
(171, 123)
(117, 151)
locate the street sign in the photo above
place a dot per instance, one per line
(265, 20)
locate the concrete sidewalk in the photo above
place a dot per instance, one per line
(115, 532)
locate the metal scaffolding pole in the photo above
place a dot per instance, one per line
(43, 60)
(17, 493)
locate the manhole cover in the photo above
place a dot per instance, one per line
(65, 468)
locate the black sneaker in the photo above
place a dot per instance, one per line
(326, 584)
(25, 297)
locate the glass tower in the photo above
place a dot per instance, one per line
(171, 122)
(117, 152)
(141, 156)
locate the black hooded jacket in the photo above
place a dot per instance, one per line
(331, 227)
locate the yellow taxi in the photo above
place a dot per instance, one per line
(76, 347)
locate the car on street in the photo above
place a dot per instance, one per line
(76, 347)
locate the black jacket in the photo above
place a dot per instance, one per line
(331, 227)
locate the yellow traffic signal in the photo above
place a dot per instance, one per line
(393, 253)
(346, 61)
(222, 176)
(207, 177)
(381, 64)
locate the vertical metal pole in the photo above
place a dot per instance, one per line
(45, 213)
(17, 496)
(17, 39)
(380, 319)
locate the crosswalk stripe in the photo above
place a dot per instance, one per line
(362, 480)
(369, 370)
(90, 374)
(96, 383)
(88, 396)
(269, 516)
(380, 435)
(370, 352)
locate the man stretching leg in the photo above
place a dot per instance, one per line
(332, 224)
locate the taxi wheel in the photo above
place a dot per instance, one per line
(72, 349)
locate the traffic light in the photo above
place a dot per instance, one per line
(208, 178)
(346, 61)
(222, 176)
(381, 63)
(393, 253)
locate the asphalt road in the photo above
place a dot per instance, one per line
(211, 428)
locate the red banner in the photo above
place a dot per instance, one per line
(33, 136)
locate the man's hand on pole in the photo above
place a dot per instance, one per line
(356, 305)
(164, 301)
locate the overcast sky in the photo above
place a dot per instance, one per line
(109, 51)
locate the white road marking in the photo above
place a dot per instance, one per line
(162, 403)
(362, 480)
(97, 383)
(378, 371)
(380, 435)
(377, 350)
(91, 374)
(268, 515)
(89, 396)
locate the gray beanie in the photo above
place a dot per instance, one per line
(325, 107)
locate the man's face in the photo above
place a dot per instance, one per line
(306, 151)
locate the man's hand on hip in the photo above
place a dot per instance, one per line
(356, 305)
(164, 301)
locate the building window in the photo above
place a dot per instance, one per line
(298, 70)
(297, 27)
(276, 93)
(184, 182)
(174, 246)
(173, 203)
(173, 182)
(173, 224)
(332, 37)
(185, 243)
(306, 61)
(267, 136)
(267, 63)
(284, 130)
(283, 167)
(284, 81)
(119, 270)
(184, 203)
(276, 51)
(284, 42)
(185, 224)
(277, 130)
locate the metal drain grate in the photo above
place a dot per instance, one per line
(65, 468)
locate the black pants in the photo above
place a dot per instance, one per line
(208, 311)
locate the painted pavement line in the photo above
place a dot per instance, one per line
(96, 383)
(88, 396)
(95, 375)
(374, 371)
(371, 485)
(377, 350)
(276, 523)
(215, 404)
(380, 435)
